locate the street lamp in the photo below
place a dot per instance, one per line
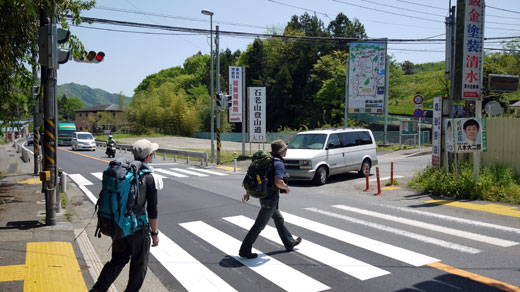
(210, 13)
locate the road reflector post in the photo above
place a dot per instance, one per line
(378, 182)
(366, 175)
(391, 173)
(234, 162)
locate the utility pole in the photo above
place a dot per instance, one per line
(450, 74)
(36, 125)
(219, 145)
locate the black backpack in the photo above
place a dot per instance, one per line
(257, 177)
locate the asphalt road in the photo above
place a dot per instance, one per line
(352, 240)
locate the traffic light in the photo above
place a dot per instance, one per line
(228, 103)
(49, 39)
(90, 57)
(220, 100)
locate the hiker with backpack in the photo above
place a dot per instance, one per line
(128, 213)
(265, 180)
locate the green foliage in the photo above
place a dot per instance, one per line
(67, 107)
(496, 183)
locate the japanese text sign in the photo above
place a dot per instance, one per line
(236, 91)
(473, 56)
(468, 135)
(257, 107)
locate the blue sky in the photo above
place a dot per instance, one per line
(130, 57)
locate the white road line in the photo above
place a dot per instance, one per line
(423, 238)
(273, 270)
(80, 180)
(341, 262)
(437, 228)
(169, 172)
(391, 251)
(192, 274)
(188, 171)
(98, 175)
(89, 194)
(158, 175)
(208, 171)
(454, 219)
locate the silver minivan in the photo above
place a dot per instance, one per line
(316, 155)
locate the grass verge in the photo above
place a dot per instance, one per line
(496, 183)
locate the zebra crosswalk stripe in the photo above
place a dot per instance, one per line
(80, 180)
(98, 175)
(437, 228)
(275, 271)
(188, 171)
(191, 273)
(208, 171)
(391, 251)
(345, 264)
(169, 172)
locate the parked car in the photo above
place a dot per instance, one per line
(316, 155)
(83, 140)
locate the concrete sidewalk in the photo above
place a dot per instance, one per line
(36, 257)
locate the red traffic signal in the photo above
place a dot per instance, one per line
(90, 57)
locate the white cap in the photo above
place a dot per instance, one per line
(142, 148)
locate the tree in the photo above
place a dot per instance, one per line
(19, 45)
(67, 107)
(408, 68)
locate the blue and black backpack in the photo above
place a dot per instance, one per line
(121, 205)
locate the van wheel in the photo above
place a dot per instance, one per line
(320, 178)
(364, 165)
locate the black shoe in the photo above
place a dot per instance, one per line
(296, 242)
(249, 255)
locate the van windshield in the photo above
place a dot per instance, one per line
(308, 141)
(85, 137)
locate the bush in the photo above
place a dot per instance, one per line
(496, 183)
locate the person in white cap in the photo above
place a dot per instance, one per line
(137, 245)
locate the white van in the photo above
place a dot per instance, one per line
(316, 155)
(83, 140)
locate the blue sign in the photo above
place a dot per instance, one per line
(418, 113)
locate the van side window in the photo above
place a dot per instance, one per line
(334, 139)
(349, 139)
(364, 138)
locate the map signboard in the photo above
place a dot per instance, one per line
(367, 77)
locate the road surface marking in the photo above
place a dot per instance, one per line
(273, 270)
(228, 168)
(192, 274)
(341, 262)
(475, 277)
(433, 227)
(490, 208)
(454, 219)
(208, 171)
(49, 266)
(81, 154)
(169, 172)
(188, 171)
(391, 251)
(31, 181)
(98, 175)
(80, 180)
(420, 237)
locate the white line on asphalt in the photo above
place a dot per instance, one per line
(188, 171)
(454, 219)
(89, 194)
(273, 270)
(98, 175)
(391, 251)
(437, 228)
(208, 171)
(169, 172)
(80, 180)
(341, 262)
(192, 274)
(420, 237)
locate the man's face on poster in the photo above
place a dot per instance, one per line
(471, 132)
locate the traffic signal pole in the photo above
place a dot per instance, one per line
(219, 145)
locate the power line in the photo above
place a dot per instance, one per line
(301, 8)
(502, 9)
(401, 8)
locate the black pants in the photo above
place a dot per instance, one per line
(268, 210)
(135, 247)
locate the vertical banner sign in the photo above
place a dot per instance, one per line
(257, 107)
(449, 133)
(472, 50)
(468, 135)
(367, 77)
(236, 91)
(436, 132)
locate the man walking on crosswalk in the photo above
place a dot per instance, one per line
(269, 206)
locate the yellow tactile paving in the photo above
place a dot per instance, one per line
(31, 181)
(49, 267)
(490, 208)
(229, 168)
(12, 273)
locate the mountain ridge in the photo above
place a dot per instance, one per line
(89, 96)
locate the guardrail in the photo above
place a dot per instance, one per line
(19, 144)
(193, 154)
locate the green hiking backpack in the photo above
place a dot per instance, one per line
(257, 177)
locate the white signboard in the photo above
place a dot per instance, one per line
(367, 77)
(468, 137)
(473, 57)
(236, 91)
(436, 131)
(257, 107)
(449, 133)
